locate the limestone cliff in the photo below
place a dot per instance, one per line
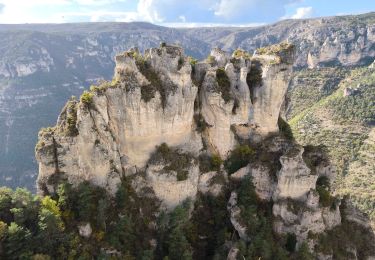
(154, 99)
(177, 128)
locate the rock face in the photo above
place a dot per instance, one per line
(163, 114)
(153, 100)
(294, 179)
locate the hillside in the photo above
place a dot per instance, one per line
(320, 113)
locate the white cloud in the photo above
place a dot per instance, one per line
(251, 9)
(303, 12)
(19, 11)
(231, 12)
(182, 18)
(97, 2)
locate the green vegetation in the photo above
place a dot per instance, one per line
(257, 216)
(345, 236)
(223, 84)
(69, 127)
(104, 85)
(86, 98)
(238, 158)
(280, 50)
(239, 53)
(174, 160)
(211, 60)
(192, 61)
(180, 63)
(285, 129)
(200, 123)
(148, 91)
(323, 188)
(310, 86)
(31, 226)
(254, 79)
(358, 107)
(209, 163)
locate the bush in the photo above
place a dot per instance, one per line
(254, 79)
(238, 158)
(200, 123)
(211, 60)
(285, 129)
(241, 54)
(192, 61)
(71, 119)
(86, 98)
(224, 84)
(291, 241)
(325, 198)
(156, 84)
(173, 159)
(209, 163)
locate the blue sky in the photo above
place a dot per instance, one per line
(186, 13)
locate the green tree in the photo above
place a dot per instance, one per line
(17, 243)
(304, 253)
(179, 247)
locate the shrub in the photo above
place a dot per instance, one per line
(254, 79)
(216, 161)
(86, 98)
(180, 63)
(211, 60)
(173, 159)
(241, 54)
(71, 119)
(238, 158)
(325, 198)
(285, 129)
(156, 84)
(224, 84)
(209, 163)
(192, 61)
(323, 188)
(182, 175)
(200, 122)
(291, 241)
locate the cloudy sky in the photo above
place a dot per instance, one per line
(176, 12)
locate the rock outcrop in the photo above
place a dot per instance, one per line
(178, 129)
(156, 98)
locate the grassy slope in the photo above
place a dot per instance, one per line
(320, 114)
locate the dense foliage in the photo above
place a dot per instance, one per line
(223, 83)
